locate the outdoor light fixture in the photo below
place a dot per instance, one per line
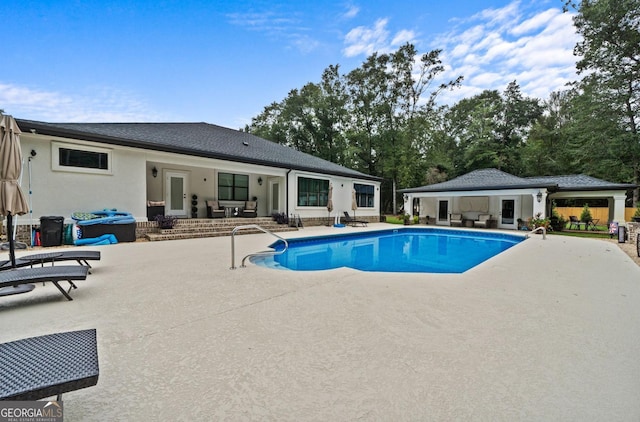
(260, 181)
(405, 197)
(539, 196)
(154, 171)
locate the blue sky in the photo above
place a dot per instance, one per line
(223, 61)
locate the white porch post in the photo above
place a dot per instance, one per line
(408, 205)
(540, 207)
(618, 208)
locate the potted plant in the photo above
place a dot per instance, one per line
(636, 216)
(165, 221)
(538, 221)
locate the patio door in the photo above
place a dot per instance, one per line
(175, 193)
(508, 217)
(274, 197)
(443, 211)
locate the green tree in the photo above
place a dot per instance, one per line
(610, 58)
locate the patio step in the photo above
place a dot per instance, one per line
(197, 228)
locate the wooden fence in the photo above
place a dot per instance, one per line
(601, 214)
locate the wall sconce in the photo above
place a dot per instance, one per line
(154, 171)
(405, 197)
(539, 196)
(260, 181)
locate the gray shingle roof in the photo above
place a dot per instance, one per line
(196, 139)
(494, 179)
(479, 180)
(581, 182)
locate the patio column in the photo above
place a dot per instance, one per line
(540, 203)
(408, 204)
(618, 208)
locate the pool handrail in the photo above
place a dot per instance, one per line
(265, 253)
(544, 232)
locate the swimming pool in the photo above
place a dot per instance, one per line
(425, 250)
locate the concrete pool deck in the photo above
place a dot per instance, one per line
(547, 330)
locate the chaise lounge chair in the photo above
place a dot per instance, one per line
(455, 220)
(46, 366)
(81, 256)
(19, 276)
(353, 221)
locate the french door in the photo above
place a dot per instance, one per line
(175, 193)
(508, 218)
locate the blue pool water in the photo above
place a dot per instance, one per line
(424, 250)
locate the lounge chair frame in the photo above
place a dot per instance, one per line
(80, 256)
(49, 365)
(19, 276)
(352, 221)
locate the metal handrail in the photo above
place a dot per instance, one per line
(265, 253)
(544, 232)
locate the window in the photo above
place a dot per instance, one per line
(80, 158)
(364, 195)
(312, 192)
(233, 187)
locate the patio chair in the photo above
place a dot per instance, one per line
(250, 209)
(214, 209)
(574, 221)
(482, 221)
(349, 220)
(49, 365)
(19, 276)
(455, 220)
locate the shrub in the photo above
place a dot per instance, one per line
(585, 216)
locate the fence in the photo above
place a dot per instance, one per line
(601, 214)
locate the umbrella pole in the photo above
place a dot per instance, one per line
(12, 251)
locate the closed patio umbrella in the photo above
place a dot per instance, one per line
(12, 200)
(330, 203)
(354, 202)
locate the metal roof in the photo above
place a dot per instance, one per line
(195, 139)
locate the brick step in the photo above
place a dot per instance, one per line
(192, 231)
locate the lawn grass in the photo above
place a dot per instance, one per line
(591, 233)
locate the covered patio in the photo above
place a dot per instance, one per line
(508, 199)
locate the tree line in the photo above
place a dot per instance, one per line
(383, 117)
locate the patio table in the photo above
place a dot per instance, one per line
(592, 224)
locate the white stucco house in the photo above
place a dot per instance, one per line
(509, 198)
(72, 167)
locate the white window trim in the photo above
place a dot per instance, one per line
(55, 158)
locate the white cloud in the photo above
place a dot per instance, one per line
(352, 12)
(497, 46)
(364, 40)
(99, 105)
